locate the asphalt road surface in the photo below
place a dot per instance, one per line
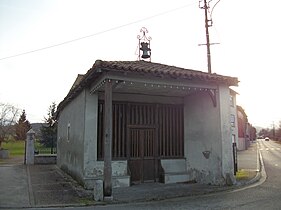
(265, 194)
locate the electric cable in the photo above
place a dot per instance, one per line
(98, 33)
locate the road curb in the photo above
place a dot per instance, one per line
(260, 176)
(262, 171)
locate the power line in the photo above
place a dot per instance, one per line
(98, 33)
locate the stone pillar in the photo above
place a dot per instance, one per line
(98, 190)
(29, 155)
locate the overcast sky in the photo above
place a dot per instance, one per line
(248, 33)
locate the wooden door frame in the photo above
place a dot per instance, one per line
(155, 145)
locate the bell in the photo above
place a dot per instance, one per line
(145, 54)
(145, 50)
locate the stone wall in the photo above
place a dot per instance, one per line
(45, 159)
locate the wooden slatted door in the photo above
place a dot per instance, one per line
(142, 162)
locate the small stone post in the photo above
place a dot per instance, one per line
(29, 156)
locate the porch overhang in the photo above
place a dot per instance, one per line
(148, 78)
(141, 86)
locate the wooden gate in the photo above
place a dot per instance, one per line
(142, 162)
(143, 134)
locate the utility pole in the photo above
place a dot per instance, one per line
(207, 37)
(208, 23)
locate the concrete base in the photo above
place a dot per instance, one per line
(45, 159)
(121, 181)
(174, 170)
(98, 190)
(108, 198)
(4, 154)
(175, 178)
(117, 181)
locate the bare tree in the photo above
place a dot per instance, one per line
(8, 118)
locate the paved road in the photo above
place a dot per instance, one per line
(16, 176)
(264, 195)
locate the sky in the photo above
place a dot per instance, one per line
(45, 44)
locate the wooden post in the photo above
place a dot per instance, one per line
(107, 139)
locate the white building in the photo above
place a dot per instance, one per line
(164, 124)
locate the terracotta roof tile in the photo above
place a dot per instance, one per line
(144, 68)
(165, 70)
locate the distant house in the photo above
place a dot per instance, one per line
(233, 116)
(36, 127)
(169, 124)
(243, 129)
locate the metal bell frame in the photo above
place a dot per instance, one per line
(144, 45)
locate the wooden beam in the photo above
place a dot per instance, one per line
(212, 94)
(107, 138)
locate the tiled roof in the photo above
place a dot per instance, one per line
(157, 69)
(240, 109)
(77, 81)
(144, 68)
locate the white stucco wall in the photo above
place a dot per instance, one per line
(226, 134)
(241, 144)
(202, 133)
(90, 138)
(207, 128)
(71, 140)
(77, 154)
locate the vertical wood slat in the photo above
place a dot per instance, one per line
(114, 142)
(182, 132)
(123, 132)
(131, 110)
(156, 142)
(152, 140)
(119, 137)
(128, 140)
(160, 131)
(147, 114)
(135, 143)
(142, 114)
(140, 111)
(169, 130)
(132, 137)
(177, 131)
(174, 131)
(100, 130)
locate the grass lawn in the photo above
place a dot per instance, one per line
(245, 174)
(16, 148)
